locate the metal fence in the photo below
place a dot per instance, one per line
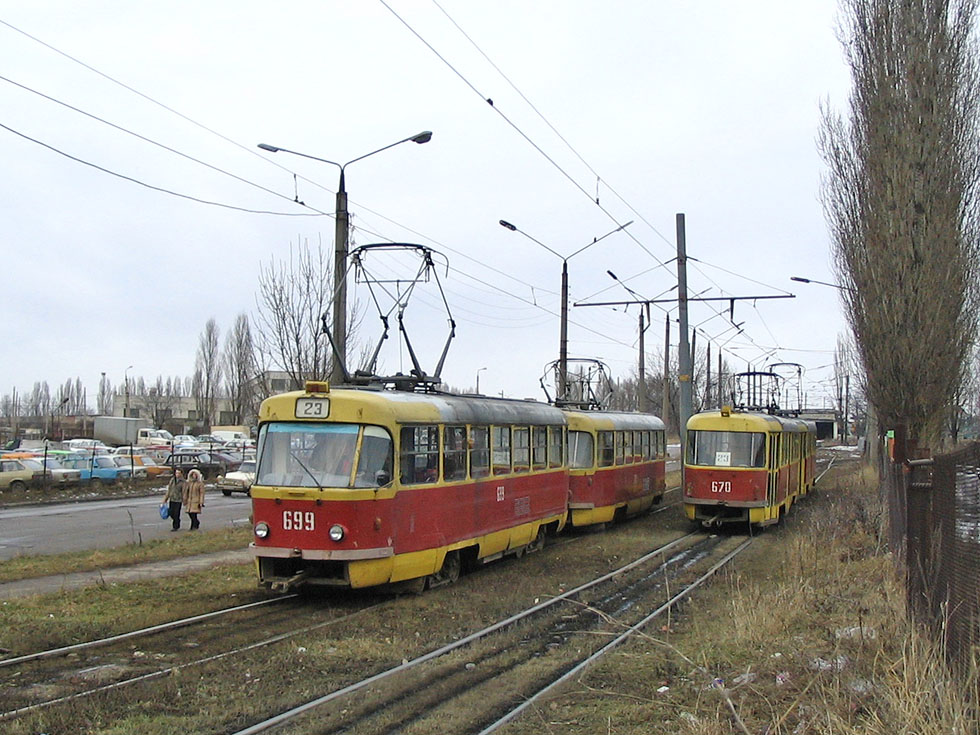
(934, 529)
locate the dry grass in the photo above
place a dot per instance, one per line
(807, 634)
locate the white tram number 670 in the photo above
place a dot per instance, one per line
(721, 486)
(297, 520)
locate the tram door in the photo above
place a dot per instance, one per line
(773, 469)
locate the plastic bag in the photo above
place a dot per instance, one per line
(164, 511)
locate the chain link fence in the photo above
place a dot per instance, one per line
(934, 530)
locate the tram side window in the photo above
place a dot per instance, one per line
(501, 450)
(419, 459)
(607, 448)
(580, 450)
(454, 453)
(555, 455)
(645, 445)
(539, 447)
(479, 451)
(661, 444)
(522, 449)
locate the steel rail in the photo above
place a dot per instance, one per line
(64, 650)
(616, 641)
(173, 669)
(313, 704)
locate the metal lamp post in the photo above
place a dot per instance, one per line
(563, 339)
(479, 370)
(340, 248)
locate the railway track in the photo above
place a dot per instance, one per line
(61, 689)
(492, 675)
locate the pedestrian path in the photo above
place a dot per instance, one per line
(118, 575)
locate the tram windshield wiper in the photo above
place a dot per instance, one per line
(307, 470)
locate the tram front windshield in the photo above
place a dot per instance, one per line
(295, 454)
(726, 449)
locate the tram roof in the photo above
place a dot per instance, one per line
(407, 407)
(611, 420)
(747, 421)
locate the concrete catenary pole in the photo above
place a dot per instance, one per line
(684, 350)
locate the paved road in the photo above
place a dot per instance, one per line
(99, 524)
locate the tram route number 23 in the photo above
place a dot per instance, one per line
(721, 486)
(297, 520)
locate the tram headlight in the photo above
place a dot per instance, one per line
(336, 532)
(261, 530)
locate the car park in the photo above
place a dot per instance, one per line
(50, 470)
(239, 481)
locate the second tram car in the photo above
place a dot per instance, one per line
(746, 467)
(363, 487)
(616, 465)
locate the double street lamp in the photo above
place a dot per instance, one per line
(563, 341)
(340, 249)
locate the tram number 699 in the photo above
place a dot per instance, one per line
(721, 486)
(297, 520)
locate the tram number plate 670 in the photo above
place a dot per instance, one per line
(721, 486)
(298, 520)
(312, 408)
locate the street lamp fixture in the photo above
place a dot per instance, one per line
(799, 279)
(339, 336)
(479, 370)
(563, 341)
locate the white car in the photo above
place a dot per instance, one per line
(239, 481)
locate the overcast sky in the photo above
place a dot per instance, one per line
(709, 108)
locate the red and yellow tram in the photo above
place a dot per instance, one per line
(616, 465)
(363, 487)
(746, 467)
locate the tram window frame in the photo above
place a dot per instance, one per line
(645, 437)
(422, 441)
(539, 447)
(606, 448)
(521, 448)
(581, 447)
(500, 448)
(454, 445)
(556, 445)
(479, 444)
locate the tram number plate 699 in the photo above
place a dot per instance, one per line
(298, 520)
(312, 408)
(721, 486)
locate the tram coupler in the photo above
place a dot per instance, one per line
(286, 585)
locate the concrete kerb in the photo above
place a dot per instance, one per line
(120, 575)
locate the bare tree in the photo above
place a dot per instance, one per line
(240, 369)
(901, 200)
(293, 295)
(207, 372)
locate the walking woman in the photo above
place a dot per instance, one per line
(194, 497)
(173, 497)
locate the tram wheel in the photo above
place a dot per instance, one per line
(449, 573)
(538, 542)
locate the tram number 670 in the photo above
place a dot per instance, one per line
(297, 520)
(721, 486)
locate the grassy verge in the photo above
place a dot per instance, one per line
(26, 567)
(807, 634)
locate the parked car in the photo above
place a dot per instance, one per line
(97, 470)
(51, 469)
(85, 445)
(14, 474)
(136, 468)
(239, 481)
(127, 450)
(186, 440)
(150, 465)
(202, 461)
